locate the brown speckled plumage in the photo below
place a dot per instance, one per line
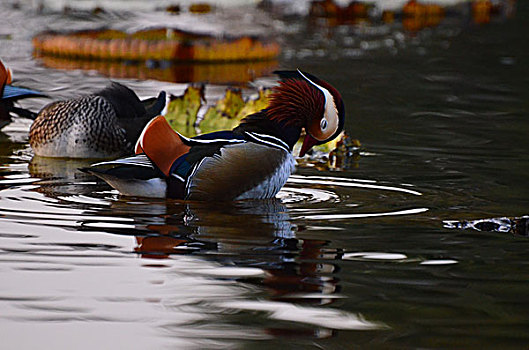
(60, 129)
(88, 126)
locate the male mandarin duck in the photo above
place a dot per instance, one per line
(102, 125)
(9, 94)
(252, 161)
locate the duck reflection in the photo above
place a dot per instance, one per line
(60, 176)
(7, 146)
(239, 235)
(256, 234)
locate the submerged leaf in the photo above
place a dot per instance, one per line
(345, 152)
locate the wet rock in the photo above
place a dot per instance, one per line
(516, 226)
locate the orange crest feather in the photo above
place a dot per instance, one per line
(295, 101)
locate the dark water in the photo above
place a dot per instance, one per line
(364, 257)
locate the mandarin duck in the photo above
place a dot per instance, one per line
(9, 94)
(105, 124)
(252, 161)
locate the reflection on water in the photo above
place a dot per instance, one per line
(223, 73)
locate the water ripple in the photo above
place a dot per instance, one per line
(323, 317)
(439, 262)
(309, 195)
(344, 182)
(374, 256)
(362, 215)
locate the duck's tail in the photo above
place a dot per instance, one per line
(125, 101)
(132, 113)
(154, 105)
(24, 113)
(132, 176)
(128, 105)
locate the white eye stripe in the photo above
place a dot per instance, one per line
(330, 114)
(326, 92)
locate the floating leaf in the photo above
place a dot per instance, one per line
(225, 114)
(182, 110)
(200, 8)
(255, 105)
(231, 104)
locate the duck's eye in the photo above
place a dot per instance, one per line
(323, 124)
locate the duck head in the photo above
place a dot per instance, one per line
(311, 103)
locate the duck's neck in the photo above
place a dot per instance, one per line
(262, 122)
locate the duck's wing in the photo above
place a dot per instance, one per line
(240, 171)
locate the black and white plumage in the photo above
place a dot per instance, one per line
(103, 125)
(252, 161)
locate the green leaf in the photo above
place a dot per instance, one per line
(182, 110)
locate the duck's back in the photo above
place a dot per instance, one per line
(86, 127)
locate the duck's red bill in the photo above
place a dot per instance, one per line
(308, 143)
